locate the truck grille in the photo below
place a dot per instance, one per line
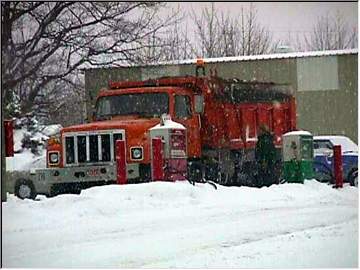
(90, 147)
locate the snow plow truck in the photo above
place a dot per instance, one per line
(212, 135)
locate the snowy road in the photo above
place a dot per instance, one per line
(166, 225)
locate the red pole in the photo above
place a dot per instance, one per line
(157, 166)
(120, 162)
(9, 138)
(338, 170)
(293, 114)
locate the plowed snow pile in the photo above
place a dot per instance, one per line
(167, 225)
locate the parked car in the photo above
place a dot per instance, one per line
(324, 157)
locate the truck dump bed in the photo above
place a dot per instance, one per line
(235, 109)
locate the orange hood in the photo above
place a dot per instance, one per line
(136, 132)
(131, 126)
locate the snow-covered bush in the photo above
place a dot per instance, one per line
(32, 134)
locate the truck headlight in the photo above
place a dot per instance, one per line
(136, 153)
(53, 157)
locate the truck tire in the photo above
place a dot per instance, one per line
(25, 189)
(353, 179)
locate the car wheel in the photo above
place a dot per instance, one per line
(353, 179)
(25, 189)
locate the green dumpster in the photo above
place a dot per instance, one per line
(298, 155)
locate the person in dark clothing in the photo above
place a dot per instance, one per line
(265, 155)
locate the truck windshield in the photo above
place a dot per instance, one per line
(144, 105)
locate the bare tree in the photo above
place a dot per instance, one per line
(221, 35)
(171, 44)
(207, 33)
(44, 43)
(331, 33)
(256, 39)
(177, 44)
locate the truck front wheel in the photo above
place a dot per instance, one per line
(25, 189)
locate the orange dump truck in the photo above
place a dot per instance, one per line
(221, 118)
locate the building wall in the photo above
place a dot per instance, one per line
(332, 111)
(96, 79)
(325, 87)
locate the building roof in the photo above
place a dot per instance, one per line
(236, 58)
(260, 57)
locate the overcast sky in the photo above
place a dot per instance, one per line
(282, 18)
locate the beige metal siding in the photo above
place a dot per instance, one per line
(328, 112)
(317, 73)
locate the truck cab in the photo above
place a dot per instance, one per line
(127, 112)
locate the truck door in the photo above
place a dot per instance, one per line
(184, 114)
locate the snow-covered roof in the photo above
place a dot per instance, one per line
(347, 145)
(298, 133)
(236, 58)
(260, 57)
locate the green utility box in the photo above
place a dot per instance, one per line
(298, 153)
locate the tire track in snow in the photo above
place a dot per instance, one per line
(226, 245)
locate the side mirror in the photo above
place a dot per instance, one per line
(199, 104)
(90, 118)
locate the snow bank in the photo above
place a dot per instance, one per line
(166, 225)
(26, 161)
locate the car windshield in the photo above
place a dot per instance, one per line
(347, 145)
(144, 105)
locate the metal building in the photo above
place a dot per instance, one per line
(324, 83)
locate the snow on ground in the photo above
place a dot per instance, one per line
(166, 225)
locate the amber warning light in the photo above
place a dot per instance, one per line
(200, 64)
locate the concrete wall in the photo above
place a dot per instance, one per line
(325, 87)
